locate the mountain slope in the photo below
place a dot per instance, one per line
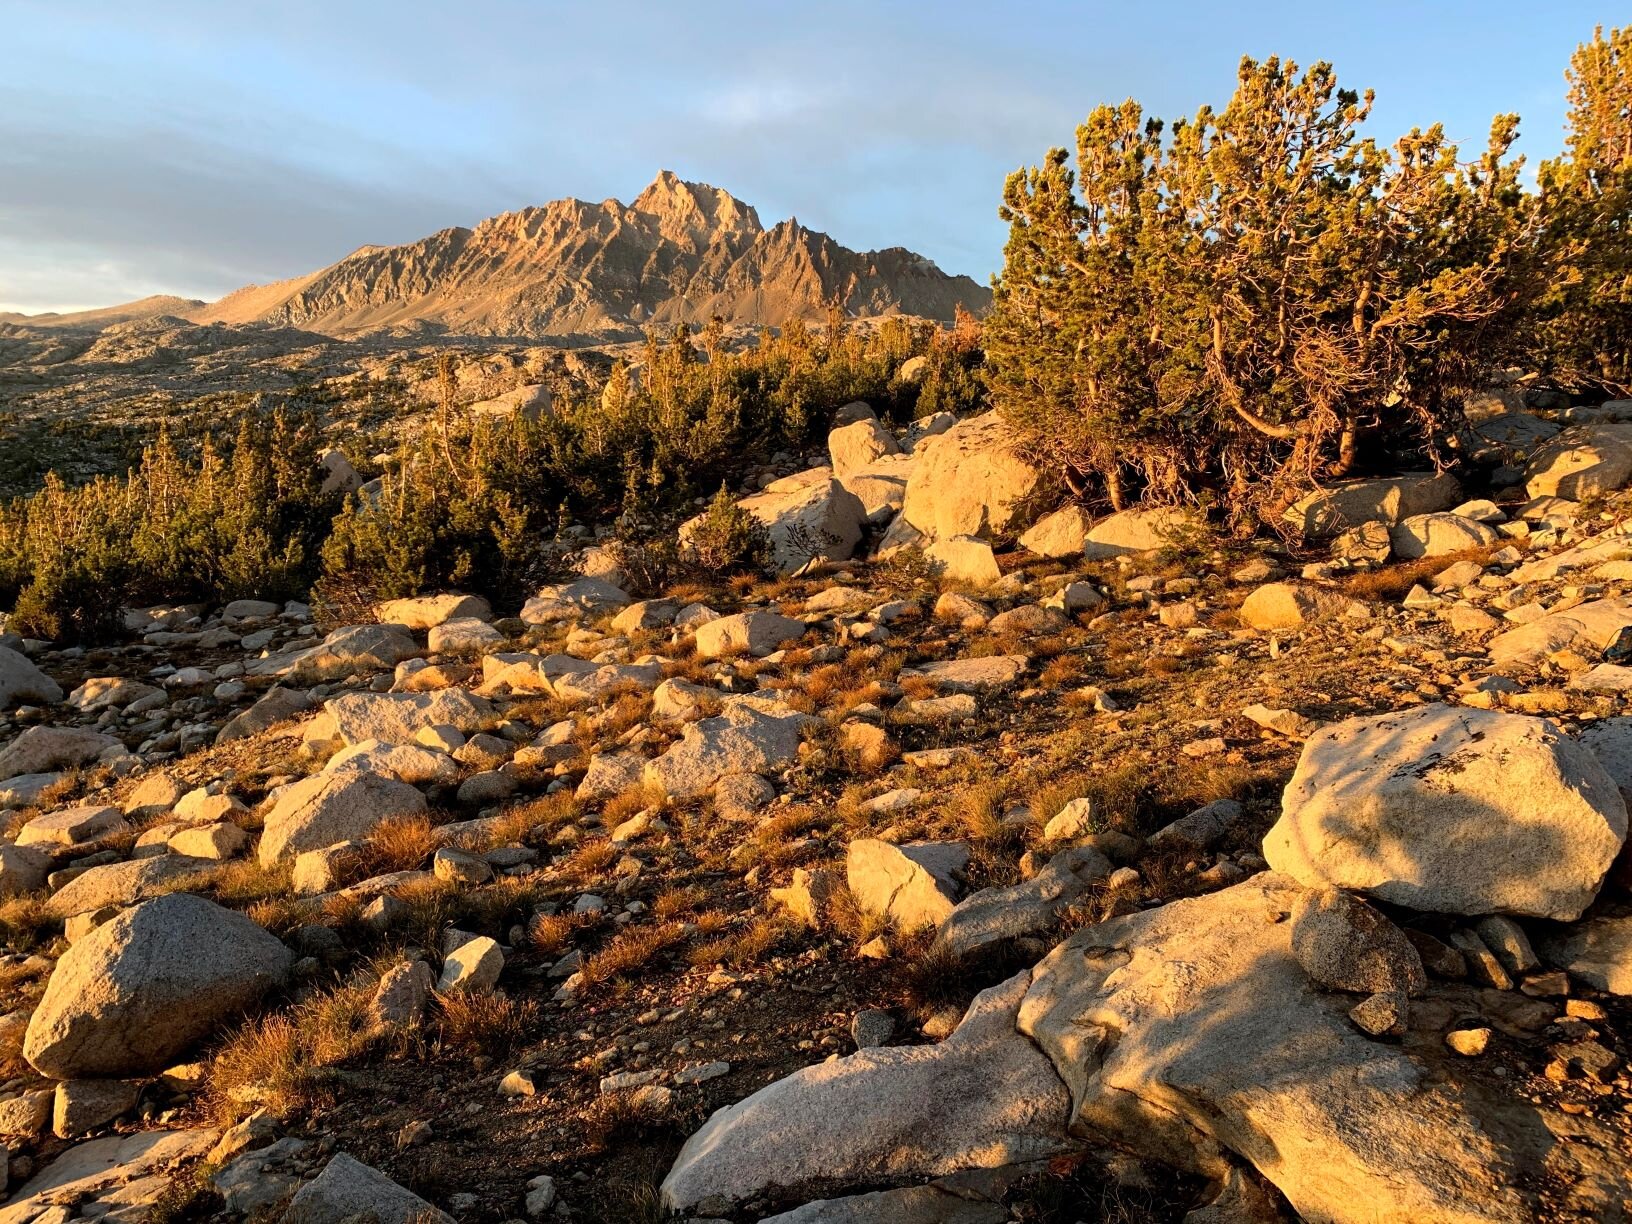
(153, 307)
(680, 252)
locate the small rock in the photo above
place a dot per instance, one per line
(871, 1027)
(1470, 1043)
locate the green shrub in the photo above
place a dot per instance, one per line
(728, 540)
(1253, 303)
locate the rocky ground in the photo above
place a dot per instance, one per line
(1121, 874)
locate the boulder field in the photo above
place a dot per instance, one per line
(997, 853)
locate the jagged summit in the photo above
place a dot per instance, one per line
(681, 252)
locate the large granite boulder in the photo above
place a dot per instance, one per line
(1332, 510)
(1453, 810)
(1598, 951)
(1137, 531)
(1587, 629)
(1288, 605)
(758, 633)
(880, 487)
(429, 611)
(278, 704)
(809, 516)
(137, 992)
(122, 884)
(1582, 462)
(42, 749)
(349, 1190)
(1059, 535)
(577, 600)
(332, 807)
(981, 1099)
(742, 739)
(21, 681)
(913, 887)
(1436, 535)
(1191, 1032)
(396, 718)
(345, 652)
(971, 480)
(858, 444)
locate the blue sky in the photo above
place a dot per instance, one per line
(179, 146)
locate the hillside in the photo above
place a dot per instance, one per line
(868, 894)
(681, 252)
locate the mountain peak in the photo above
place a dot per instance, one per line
(695, 210)
(681, 252)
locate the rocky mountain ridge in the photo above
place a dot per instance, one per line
(680, 252)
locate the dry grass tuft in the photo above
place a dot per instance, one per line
(488, 1021)
(617, 1119)
(678, 902)
(280, 915)
(403, 843)
(979, 809)
(24, 924)
(777, 841)
(746, 947)
(590, 859)
(630, 951)
(854, 923)
(278, 1061)
(1393, 582)
(628, 802)
(552, 934)
(1063, 670)
(543, 815)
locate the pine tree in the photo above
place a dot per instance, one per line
(1242, 309)
(1582, 327)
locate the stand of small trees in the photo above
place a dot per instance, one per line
(249, 524)
(471, 504)
(1263, 297)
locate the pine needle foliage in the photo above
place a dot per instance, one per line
(1259, 297)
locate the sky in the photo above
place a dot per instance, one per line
(194, 146)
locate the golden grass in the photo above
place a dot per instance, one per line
(1393, 582)
(620, 1118)
(918, 688)
(543, 815)
(403, 843)
(552, 934)
(773, 842)
(628, 802)
(979, 809)
(24, 924)
(745, 947)
(1064, 669)
(589, 860)
(851, 921)
(630, 951)
(678, 902)
(280, 915)
(487, 1021)
(498, 905)
(277, 1060)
